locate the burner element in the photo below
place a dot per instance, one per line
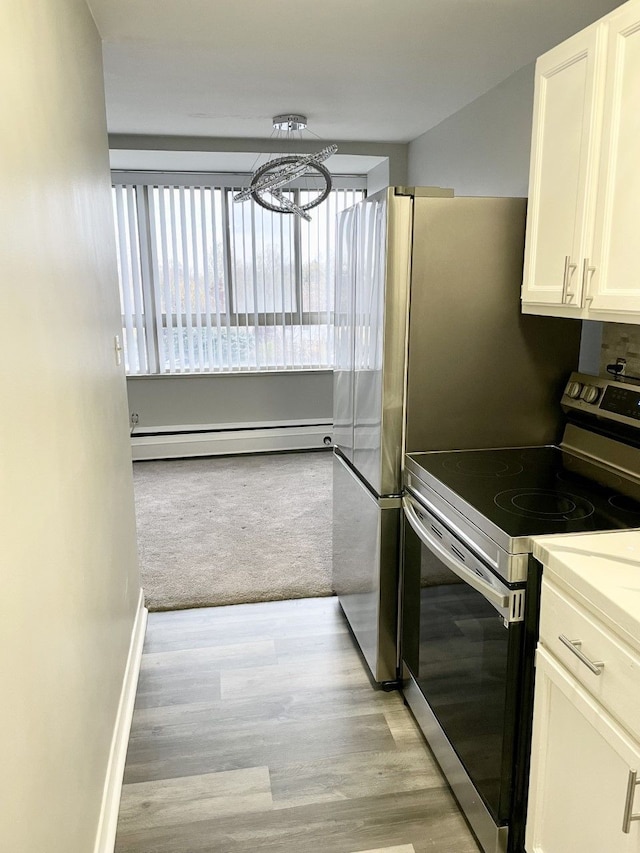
(480, 465)
(544, 504)
(625, 503)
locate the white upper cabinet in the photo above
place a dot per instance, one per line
(582, 257)
(615, 279)
(563, 163)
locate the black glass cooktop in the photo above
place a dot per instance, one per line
(537, 490)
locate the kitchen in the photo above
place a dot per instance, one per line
(67, 419)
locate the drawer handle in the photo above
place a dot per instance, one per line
(628, 805)
(596, 666)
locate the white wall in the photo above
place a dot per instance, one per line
(201, 415)
(70, 582)
(378, 177)
(482, 150)
(229, 399)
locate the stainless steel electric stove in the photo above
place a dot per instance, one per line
(470, 587)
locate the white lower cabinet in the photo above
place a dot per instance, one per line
(585, 750)
(581, 763)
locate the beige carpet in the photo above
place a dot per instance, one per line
(227, 530)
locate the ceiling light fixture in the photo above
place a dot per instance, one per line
(269, 180)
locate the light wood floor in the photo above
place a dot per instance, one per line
(256, 728)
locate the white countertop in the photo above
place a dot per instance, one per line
(604, 570)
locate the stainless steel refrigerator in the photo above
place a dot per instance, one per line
(431, 353)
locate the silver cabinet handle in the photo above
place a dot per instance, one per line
(628, 803)
(567, 258)
(596, 666)
(586, 269)
(568, 267)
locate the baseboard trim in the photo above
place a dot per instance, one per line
(107, 824)
(222, 442)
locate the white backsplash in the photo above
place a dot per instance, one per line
(620, 340)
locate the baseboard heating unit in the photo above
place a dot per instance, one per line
(174, 442)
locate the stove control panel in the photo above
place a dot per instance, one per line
(622, 401)
(605, 398)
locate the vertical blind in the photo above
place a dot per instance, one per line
(209, 285)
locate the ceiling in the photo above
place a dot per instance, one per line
(366, 70)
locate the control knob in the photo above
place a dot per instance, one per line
(590, 393)
(574, 389)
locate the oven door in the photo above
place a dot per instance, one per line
(462, 634)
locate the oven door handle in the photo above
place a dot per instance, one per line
(499, 600)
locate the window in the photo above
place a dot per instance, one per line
(208, 285)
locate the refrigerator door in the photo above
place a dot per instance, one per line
(343, 376)
(365, 567)
(382, 269)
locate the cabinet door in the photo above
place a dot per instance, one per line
(615, 277)
(580, 766)
(566, 127)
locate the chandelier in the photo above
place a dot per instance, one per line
(268, 181)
